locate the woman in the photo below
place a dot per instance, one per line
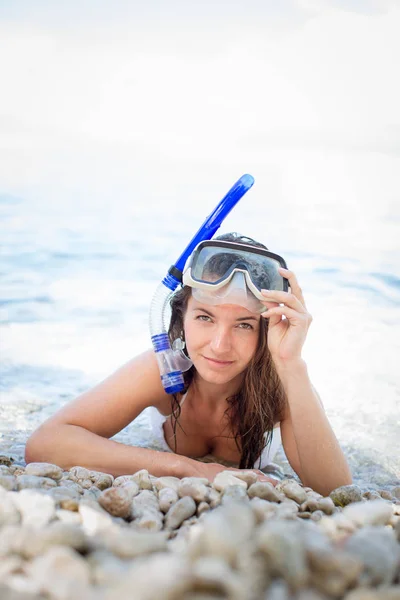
(247, 388)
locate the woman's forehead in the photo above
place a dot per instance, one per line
(234, 311)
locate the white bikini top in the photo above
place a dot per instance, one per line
(157, 421)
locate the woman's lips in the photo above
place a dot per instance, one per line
(219, 363)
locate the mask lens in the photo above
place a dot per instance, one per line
(213, 265)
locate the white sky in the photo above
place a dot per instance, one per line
(95, 95)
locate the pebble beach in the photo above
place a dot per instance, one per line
(82, 534)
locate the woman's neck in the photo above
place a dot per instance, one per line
(212, 394)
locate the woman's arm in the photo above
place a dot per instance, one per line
(310, 444)
(308, 439)
(78, 433)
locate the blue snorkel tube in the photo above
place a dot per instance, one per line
(173, 362)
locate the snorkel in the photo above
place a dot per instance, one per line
(172, 361)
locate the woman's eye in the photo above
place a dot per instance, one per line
(245, 326)
(203, 318)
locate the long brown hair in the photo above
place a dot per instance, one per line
(260, 402)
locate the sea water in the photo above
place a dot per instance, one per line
(77, 279)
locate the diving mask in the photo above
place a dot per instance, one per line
(223, 272)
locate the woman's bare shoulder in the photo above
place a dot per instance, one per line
(117, 400)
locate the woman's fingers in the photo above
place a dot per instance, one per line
(285, 298)
(294, 284)
(263, 477)
(289, 313)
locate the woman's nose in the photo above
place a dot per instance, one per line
(221, 341)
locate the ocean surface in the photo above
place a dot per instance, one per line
(77, 279)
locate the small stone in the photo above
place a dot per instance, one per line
(36, 509)
(79, 474)
(92, 493)
(378, 550)
(142, 478)
(170, 482)
(293, 490)
(33, 482)
(281, 543)
(146, 511)
(326, 505)
(310, 504)
(87, 484)
(333, 572)
(226, 478)
(166, 498)
(343, 524)
(8, 482)
(346, 494)
(122, 480)
(396, 492)
(213, 574)
(69, 516)
(263, 509)
(386, 495)
(65, 482)
(179, 512)
(214, 498)
(44, 470)
(17, 470)
(317, 515)
(128, 543)
(94, 518)
(106, 569)
(287, 510)
(19, 587)
(386, 593)
(118, 500)
(161, 575)
(223, 532)
(372, 495)
(202, 508)
(61, 573)
(58, 533)
(6, 460)
(9, 565)
(378, 512)
(248, 476)
(69, 504)
(63, 492)
(101, 480)
(234, 493)
(264, 490)
(9, 513)
(191, 486)
(279, 590)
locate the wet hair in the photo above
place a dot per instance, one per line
(261, 400)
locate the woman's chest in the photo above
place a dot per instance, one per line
(198, 433)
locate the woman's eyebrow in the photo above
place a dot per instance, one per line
(247, 319)
(205, 311)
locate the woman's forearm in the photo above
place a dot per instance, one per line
(323, 464)
(69, 445)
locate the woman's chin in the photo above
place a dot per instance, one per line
(218, 377)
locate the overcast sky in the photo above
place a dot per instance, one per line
(95, 94)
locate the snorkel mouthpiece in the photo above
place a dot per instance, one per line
(173, 362)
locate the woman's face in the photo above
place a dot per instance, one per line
(221, 340)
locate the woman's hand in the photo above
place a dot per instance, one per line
(210, 470)
(286, 337)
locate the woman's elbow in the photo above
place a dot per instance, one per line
(38, 446)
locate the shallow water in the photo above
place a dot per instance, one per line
(76, 282)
